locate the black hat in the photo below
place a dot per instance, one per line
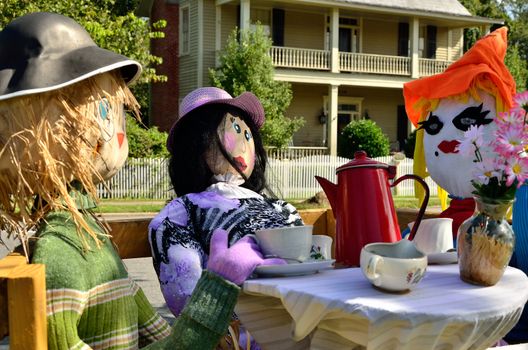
(44, 51)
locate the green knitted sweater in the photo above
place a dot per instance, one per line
(92, 303)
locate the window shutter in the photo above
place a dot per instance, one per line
(278, 27)
(431, 42)
(403, 39)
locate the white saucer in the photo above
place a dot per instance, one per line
(295, 269)
(442, 258)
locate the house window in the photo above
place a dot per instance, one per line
(427, 42)
(262, 17)
(185, 33)
(346, 113)
(349, 34)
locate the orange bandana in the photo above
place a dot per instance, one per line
(484, 59)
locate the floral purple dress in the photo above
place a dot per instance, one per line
(180, 234)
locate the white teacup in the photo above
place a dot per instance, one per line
(434, 235)
(394, 267)
(292, 243)
(321, 247)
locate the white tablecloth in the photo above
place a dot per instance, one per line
(340, 309)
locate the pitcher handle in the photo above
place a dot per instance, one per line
(421, 212)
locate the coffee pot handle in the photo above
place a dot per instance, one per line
(421, 212)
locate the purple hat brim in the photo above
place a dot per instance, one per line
(247, 102)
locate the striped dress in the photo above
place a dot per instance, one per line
(93, 304)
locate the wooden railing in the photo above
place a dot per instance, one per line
(428, 66)
(378, 64)
(300, 58)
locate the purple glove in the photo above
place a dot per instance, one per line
(235, 264)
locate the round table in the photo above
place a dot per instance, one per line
(340, 309)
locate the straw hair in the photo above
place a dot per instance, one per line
(49, 141)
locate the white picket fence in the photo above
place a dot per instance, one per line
(288, 178)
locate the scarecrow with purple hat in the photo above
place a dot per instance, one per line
(217, 169)
(62, 130)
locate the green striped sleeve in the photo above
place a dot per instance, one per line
(151, 325)
(205, 318)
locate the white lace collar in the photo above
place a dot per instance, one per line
(228, 185)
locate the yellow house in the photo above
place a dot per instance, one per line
(345, 59)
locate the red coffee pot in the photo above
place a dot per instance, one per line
(363, 206)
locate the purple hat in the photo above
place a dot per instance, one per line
(246, 102)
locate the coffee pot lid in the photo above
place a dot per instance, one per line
(361, 160)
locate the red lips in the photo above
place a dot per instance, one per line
(449, 146)
(240, 162)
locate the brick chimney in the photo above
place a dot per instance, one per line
(164, 96)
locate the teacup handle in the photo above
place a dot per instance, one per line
(372, 267)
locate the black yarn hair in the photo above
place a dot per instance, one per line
(195, 134)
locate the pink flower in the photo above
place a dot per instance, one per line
(512, 117)
(517, 169)
(509, 139)
(520, 102)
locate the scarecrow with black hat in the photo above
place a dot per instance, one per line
(62, 131)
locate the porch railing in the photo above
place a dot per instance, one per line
(300, 58)
(378, 64)
(427, 66)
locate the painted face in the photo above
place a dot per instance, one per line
(443, 128)
(112, 146)
(237, 140)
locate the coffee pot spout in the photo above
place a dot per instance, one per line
(330, 189)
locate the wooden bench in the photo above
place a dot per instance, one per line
(23, 303)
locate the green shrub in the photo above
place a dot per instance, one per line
(363, 135)
(408, 145)
(145, 143)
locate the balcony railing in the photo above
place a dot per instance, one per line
(298, 58)
(291, 57)
(429, 66)
(377, 64)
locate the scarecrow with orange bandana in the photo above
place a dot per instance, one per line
(470, 92)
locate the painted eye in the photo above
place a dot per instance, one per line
(104, 107)
(432, 125)
(237, 128)
(471, 116)
(248, 135)
(106, 123)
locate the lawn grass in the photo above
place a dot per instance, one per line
(154, 206)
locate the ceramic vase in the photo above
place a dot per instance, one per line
(485, 242)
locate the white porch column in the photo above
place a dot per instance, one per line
(244, 14)
(334, 42)
(414, 35)
(332, 119)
